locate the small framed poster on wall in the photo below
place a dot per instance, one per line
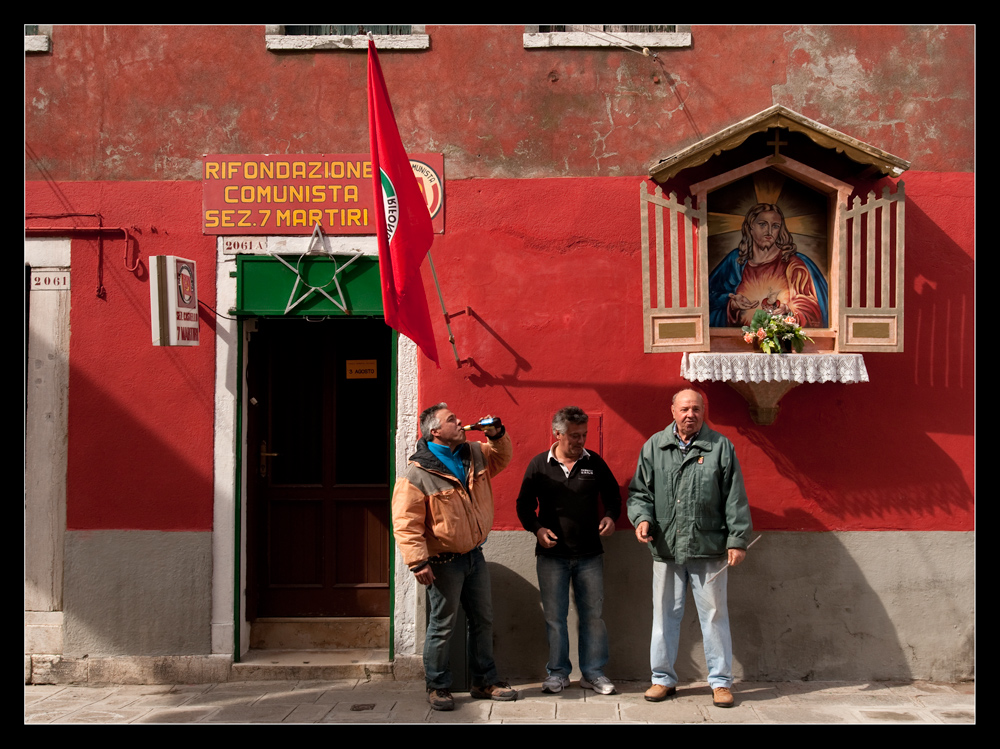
(173, 301)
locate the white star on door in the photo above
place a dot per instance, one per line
(318, 245)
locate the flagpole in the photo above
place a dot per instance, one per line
(444, 311)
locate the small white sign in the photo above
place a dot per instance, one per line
(173, 301)
(49, 280)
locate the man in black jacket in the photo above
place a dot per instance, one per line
(560, 502)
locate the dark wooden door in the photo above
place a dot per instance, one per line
(318, 467)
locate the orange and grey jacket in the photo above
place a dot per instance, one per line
(432, 512)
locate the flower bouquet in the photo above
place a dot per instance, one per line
(775, 333)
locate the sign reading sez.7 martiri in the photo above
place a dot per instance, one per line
(291, 193)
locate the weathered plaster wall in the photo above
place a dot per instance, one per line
(140, 426)
(550, 270)
(158, 97)
(804, 606)
(137, 593)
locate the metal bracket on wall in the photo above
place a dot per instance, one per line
(451, 337)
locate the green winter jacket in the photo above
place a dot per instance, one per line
(695, 504)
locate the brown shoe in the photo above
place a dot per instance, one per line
(440, 699)
(722, 697)
(658, 693)
(501, 692)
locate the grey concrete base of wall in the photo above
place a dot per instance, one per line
(177, 669)
(137, 593)
(804, 606)
(198, 669)
(863, 606)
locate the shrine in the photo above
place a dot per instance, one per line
(841, 250)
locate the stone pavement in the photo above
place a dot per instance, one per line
(386, 701)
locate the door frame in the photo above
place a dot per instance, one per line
(230, 627)
(46, 339)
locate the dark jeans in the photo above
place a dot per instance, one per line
(465, 582)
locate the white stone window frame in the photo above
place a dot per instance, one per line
(278, 40)
(534, 39)
(40, 42)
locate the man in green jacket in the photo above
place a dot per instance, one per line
(687, 502)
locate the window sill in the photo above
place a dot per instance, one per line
(606, 39)
(292, 43)
(37, 43)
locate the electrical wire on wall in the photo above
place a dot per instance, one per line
(630, 46)
(99, 230)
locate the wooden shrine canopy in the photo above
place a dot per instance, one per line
(873, 158)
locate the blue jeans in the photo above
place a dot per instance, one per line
(670, 584)
(587, 576)
(463, 581)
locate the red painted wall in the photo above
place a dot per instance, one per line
(152, 99)
(541, 242)
(140, 416)
(551, 270)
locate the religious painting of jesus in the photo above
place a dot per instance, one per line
(766, 270)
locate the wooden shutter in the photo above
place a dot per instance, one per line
(871, 262)
(674, 284)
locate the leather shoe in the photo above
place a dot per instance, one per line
(722, 697)
(440, 699)
(658, 693)
(501, 692)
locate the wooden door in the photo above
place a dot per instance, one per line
(318, 467)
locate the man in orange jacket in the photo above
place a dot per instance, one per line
(442, 512)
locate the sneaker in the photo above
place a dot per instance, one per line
(501, 692)
(554, 684)
(601, 685)
(440, 699)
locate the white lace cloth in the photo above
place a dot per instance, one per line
(754, 367)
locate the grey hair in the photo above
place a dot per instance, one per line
(566, 416)
(429, 419)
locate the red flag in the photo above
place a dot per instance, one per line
(403, 224)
